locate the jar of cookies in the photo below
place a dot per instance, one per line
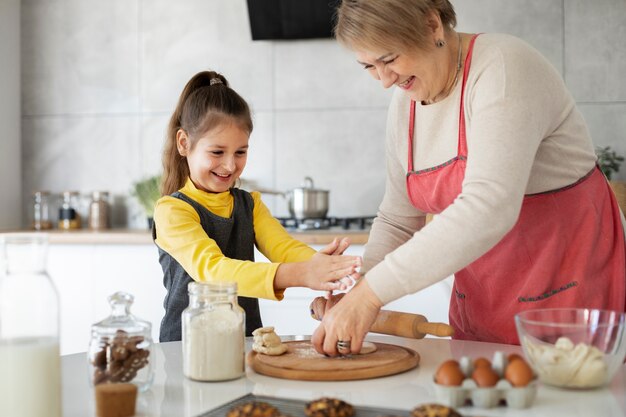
(213, 330)
(120, 347)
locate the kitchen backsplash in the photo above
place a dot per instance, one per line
(100, 79)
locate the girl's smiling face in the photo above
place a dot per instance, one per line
(217, 158)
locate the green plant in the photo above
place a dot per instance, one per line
(608, 160)
(147, 192)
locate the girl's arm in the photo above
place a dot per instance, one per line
(301, 266)
(180, 234)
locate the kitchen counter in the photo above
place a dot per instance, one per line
(133, 236)
(174, 395)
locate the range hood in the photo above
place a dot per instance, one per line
(291, 19)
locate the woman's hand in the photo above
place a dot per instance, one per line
(349, 321)
(320, 305)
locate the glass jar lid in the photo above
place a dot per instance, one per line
(212, 288)
(121, 318)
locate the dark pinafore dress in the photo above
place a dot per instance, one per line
(234, 236)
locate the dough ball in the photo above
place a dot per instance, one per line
(261, 330)
(267, 342)
(271, 339)
(368, 347)
(328, 407)
(275, 350)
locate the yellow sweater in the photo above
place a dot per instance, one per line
(180, 234)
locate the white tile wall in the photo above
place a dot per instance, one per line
(99, 80)
(595, 58)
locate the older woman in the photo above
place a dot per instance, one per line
(482, 132)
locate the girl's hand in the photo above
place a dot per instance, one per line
(336, 247)
(348, 321)
(325, 272)
(328, 270)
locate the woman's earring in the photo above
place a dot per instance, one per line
(440, 43)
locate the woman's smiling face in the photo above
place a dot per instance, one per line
(418, 73)
(217, 158)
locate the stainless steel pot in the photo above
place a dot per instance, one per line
(307, 202)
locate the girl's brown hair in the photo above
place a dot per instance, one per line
(389, 25)
(205, 103)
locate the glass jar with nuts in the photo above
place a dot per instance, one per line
(120, 347)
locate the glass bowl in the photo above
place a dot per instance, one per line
(573, 347)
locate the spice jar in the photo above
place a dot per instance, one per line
(69, 219)
(213, 329)
(99, 210)
(41, 211)
(120, 347)
(30, 364)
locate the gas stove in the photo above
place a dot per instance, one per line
(345, 223)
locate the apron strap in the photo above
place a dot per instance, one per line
(462, 145)
(462, 142)
(411, 123)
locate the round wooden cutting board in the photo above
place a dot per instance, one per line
(302, 362)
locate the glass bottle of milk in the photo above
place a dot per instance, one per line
(213, 328)
(30, 364)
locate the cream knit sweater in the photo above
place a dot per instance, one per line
(524, 136)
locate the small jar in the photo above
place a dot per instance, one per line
(69, 219)
(213, 330)
(41, 211)
(99, 211)
(120, 347)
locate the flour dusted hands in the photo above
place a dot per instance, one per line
(349, 320)
(325, 271)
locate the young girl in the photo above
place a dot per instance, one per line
(206, 229)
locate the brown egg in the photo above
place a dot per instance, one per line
(518, 373)
(449, 374)
(484, 376)
(514, 356)
(481, 362)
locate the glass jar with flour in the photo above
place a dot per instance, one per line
(213, 328)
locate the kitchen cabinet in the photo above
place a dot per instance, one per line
(88, 267)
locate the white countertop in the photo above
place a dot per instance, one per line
(144, 237)
(174, 395)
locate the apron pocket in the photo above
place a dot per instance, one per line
(548, 294)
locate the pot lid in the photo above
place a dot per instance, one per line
(307, 184)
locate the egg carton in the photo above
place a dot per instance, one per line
(514, 397)
(487, 397)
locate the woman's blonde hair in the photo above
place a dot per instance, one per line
(205, 103)
(389, 25)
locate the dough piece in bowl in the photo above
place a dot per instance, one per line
(368, 347)
(267, 342)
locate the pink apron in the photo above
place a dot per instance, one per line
(566, 249)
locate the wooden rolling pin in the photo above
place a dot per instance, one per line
(414, 326)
